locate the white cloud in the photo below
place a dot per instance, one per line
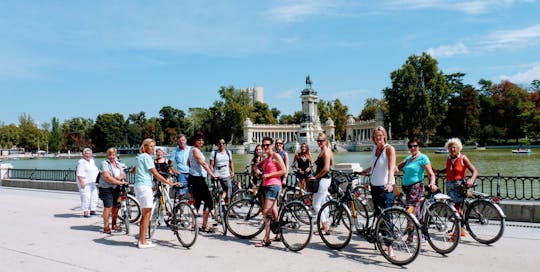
(296, 10)
(525, 77)
(448, 50)
(465, 6)
(512, 38)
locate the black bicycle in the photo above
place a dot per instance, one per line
(220, 207)
(245, 220)
(441, 223)
(483, 217)
(394, 232)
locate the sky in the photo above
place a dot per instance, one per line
(68, 59)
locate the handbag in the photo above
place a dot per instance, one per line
(313, 185)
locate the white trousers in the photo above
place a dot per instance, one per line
(321, 197)
(89, 197)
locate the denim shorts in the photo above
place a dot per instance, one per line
(110, 197)
(272, 191)
(454, 191)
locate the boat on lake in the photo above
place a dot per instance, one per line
(522, 151)
(441, 151)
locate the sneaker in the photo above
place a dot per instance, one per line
(147, 245)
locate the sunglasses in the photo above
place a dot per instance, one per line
(265, 145)
(279, 143)
(320, 141)
(413, 145)
(221, 143)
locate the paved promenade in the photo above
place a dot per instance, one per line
(43, 231)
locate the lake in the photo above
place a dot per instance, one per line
(488, 162)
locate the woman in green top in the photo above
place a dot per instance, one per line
(145, 171)
(414, 166)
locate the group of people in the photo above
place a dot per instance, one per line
(269, 168)
(190, 169)
(414, 167)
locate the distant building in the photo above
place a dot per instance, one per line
(306, 132)
(255, 94)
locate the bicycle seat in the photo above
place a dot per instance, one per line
(441, 197)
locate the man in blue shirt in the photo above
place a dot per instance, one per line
(180, 157)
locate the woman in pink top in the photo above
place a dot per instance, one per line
(274, 168)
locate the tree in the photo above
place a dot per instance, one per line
(55, 141)
(371, 106)
(30, 135)
(261, 114)
(418, 98)
(77, 133)
(172, 121)
(135, 124)
(295, 118)
(228, 116)
(109, 131)
(338, 112)
(9, 136)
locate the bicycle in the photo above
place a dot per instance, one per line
(483, 217)
(178, 216)
(133, 205)
(245, 220)
(440, 221)
(220, 207)
(394, 232)
(125, 208)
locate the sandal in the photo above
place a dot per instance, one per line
(117, 228)
(107, 231)
(263, 243)
(327, 232)
(277, 238)
(206, 229)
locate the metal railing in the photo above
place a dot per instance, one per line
(505, 187)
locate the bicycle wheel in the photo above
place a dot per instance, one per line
(134, 209)
(361, 216)
(239, 194)
(127, 218)
(484, 222)
(219, 208)
(244, 218)
(184, 224)
(295, 226)
(338, 218)
(154, 218)
(442, 227)
(397, 236)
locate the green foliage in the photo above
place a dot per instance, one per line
(418, 98)
(55, 141)
(261, 114)
(371, 106)
(77, 133)
(337, 112)
(109, 131)
(9, 136)
(172, 121)
(296, 118)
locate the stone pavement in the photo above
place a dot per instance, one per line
(43, 231)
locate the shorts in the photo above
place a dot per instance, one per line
(228, 185)
(272, 191)
(454, 190)
(110, 197)
(183, 179)
(145, 196)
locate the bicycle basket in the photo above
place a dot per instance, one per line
(339, 183)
